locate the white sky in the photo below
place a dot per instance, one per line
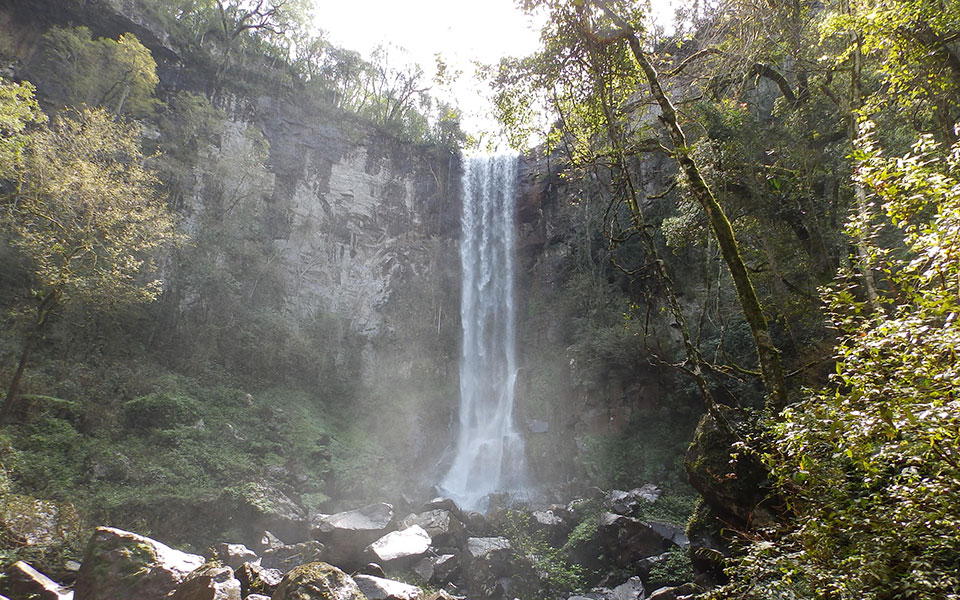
(462, 31)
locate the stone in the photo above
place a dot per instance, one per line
(288, 557)
(235, 555)
(682, 592)
(444, 595)
(631, 589)
(376, 588)
(400, 546)
(348, 533)
(441, 503)
(119, 565)
(209, 582)
(317, 581)
(631, 503)
(257, 579)
(554, 528)
(537, 426)
(674, 533)
(261, 506)
(488, 562)
(629, 540)
(269, 541)
(445, 529)
(373, 569)
(256, 597)
(437, 569)
(488, 547)
(24, 581)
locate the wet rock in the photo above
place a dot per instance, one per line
(346, 534)
(317, 581)
(288, 557)
(119, 565)
(376, 588)
(441, 525)
(399, 547)
(209, 582)
(235, 555)
(23, 581)
(437, 569)
(257, 579)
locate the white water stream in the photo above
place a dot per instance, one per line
(489, 454)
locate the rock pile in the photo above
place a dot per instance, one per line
(439, 547)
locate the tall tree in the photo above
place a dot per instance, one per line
(85, 214)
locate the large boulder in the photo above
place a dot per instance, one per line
(376, 588)
(346, 534)
(23, 581)
(259, 506)
(551, 525)
(119, 565)
(317, 581)
(399, 548)
(209, 582)
(631, 503)
(437, 570)
(628, 540)
(489, 563)
(443, 527)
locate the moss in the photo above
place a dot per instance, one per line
(317, 581)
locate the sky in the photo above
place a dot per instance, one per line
(461, 31)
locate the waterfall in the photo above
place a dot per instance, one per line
(489, 454)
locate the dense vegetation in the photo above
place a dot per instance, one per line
(760, 211)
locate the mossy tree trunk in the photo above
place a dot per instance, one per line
(771, 367)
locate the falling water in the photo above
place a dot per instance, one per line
(489, 452)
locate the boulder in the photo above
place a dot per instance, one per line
(674, 533)
(259, 506)
(488, 566)
(687, 591)
(317, 581)
(119, 565)
(235, 555)
(553, 527)
(631, 589)
(441, 525)
(400, 547)
(437, 569)
(288, 557)
(376, 588)
(441, 504)
(209, 582)
(346, 534)
(257, 579)
(256, 597)
(489, 548)
(633, 502)
(373, 569)
(23, 581)
(629, 540)
(268, 541)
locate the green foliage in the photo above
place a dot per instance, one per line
(557, 576)
(18, 111)
(674, 570)
(870, 465)
(118, 75)
(161, 411)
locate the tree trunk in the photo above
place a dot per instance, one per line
(44, 311)
(769, 356)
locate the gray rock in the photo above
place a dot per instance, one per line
(629, 540)
(441, 525)
(119, 565)
(255, 578)
(317, 581)
(24, 581)
(683, 592)
(269, 541)
(256, 597)
(671, 532)
(488, 547)
(235, 555)
(400, 546)
(264, 507)
(437, 569)
(288, 557)
(209, 582)
(348, 533)
(376, 588)
(441, 503)
(551, 525)
(631, 503)
(537, 426)
(373, 569)
(631, 589)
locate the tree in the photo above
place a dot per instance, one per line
(85, 214)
